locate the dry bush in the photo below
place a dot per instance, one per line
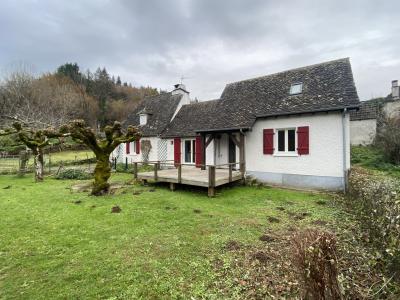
(314, 256)
(375, 200)
(388, 138)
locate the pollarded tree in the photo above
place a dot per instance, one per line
(36, 141)
(102, 146)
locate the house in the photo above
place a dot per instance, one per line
(291, 128)
(364, 122)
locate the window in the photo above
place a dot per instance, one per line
(189, 151)
(143, 119)
(286, 140)
(296, 88)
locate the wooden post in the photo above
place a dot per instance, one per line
(172, 186)
(211, 181)
(230, 173)
(135, 170)
(179, 173)
(242, 155)
(203, 151)
(155, 171)
(126, 163)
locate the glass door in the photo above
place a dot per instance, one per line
(189, 151)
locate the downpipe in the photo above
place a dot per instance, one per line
(345, 173)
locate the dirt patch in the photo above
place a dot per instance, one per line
(81, 187)
(281, 208)
(197, 211)
(266, 238)
(319, 222)
(232, 246)
(261, 256)
(298, 215)
(273, 219)
(116, 209)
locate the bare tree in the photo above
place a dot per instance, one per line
(102, 146)
(42, 102)
(36, 141)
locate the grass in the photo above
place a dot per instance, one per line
(56, 158)
(371, 158)
(55, 244)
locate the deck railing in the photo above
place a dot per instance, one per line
(170, 164)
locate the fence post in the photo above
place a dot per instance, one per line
(211, 181)
(135, 170)
(179, 173)
(49, 163)
(126, 163)
(155, 172)
(230, 173)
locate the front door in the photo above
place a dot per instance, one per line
(232, 151)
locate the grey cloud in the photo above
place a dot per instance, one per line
(213, 42)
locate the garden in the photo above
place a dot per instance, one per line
(147, 242)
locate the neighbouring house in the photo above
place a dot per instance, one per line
(291, 128)
(364, 122)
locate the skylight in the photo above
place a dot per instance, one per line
(296, 88)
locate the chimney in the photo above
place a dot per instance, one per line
(179, 89)
(395, 89)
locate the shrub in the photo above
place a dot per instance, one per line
(314, 256)
(375, 199)
(73, 174)
(388, 138)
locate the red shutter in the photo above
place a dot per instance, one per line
(199, 152)
(128, 148)
(177, 150)
(303, 140)
(268, 144)
(137, 146)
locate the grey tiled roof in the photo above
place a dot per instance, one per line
(161, 107)
(368, 110)
(326, 86)
(192, 117)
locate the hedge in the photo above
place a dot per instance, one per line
(375, 200)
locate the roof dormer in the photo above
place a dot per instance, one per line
(144, 116)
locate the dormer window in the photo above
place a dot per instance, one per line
(296, 88)
(144, 116)
(143, 119)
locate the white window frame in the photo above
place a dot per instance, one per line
(143, 118)
(193, 151)
(294, 86)
(286, 152)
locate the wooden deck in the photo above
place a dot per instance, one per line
(211, 177)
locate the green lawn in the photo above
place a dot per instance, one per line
(373, 159)
(55, 244)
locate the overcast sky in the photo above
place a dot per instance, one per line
(211, 42)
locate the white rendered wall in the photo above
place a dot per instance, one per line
(362, 132)
(209, 151)
(121, 155)
(326, 146)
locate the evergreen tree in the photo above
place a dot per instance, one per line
(70, 70)
(118, 81)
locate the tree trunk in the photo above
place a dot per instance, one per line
(102, 173)
(38, 159)
(23, 158)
